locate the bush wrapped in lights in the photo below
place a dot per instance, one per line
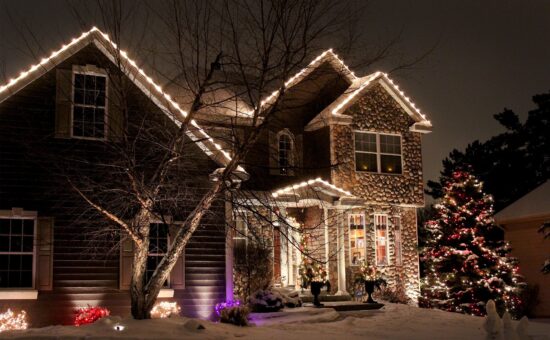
(233, 312)
(165, 309)
(87, 315)
(10, 321)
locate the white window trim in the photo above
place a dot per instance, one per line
(22, 293)
(349, 237)
(378, 153)
(92, 71)
(398, 260)
(292, 151)
(168, 240)
(376, 240)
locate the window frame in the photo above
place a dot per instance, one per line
(363, 216)
(168, 245)
(378, 152)
(22, 214)
(240, 216)
(397, 259)
(291, 152)
(90, 70)
(376, 218)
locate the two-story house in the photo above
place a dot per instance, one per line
(338, 165)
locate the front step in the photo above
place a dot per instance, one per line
(308, 298)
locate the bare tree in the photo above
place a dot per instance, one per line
(227, 55)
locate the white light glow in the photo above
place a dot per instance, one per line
(311, 182)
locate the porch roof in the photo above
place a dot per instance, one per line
(315, 189)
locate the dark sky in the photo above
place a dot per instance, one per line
(489, 55)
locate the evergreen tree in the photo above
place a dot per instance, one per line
(521, 153)
(465, 259)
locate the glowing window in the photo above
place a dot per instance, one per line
(398, 244)
(285, 147)
(376, 152)
(357, 238)
(381, 230)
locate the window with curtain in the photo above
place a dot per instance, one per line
(357, 238)
(381, 235)
(398, 243)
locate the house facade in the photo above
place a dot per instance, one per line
(338, 171)
(521, 221)
(338, 167)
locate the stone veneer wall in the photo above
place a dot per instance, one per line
(377, 111)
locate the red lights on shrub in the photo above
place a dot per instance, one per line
(87, 315)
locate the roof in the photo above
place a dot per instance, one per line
(314, 184)
(137, 75)
(360, 85)
(535, 204)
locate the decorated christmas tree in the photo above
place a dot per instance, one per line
(465, 259)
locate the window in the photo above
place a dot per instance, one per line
(381, 233)
(158, 247)
(286, 149)
(89, 105)
(396, 221)
(357, 238)
(376, 152)
(17, 251)
(240, 238)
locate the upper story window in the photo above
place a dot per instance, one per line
(381, 237)
(357, 239)
(17, 251)
(285, 152)
(89, 104)
(377, 152)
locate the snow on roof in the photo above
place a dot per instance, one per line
(534, 204)
(137, 75)
(313, 183)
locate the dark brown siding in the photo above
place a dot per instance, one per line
(85, 268)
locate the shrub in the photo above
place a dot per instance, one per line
(394, 295)
(165, 309)
(87, 315)
(10, 321)
(265, 301)
(233, 313)
(252, 270)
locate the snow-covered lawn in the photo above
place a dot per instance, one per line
(392, 322)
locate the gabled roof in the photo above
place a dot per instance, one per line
(314, 184)
(327, 56)
(360, 85)
(535, 204)
(137, 75)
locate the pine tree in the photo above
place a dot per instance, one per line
(465, 258)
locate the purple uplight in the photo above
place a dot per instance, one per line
(223, 305)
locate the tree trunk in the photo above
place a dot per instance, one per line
(140, 309)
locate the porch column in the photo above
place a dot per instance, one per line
(283, 229)
(291, 248)
(325, 223)
(229, 232)
(341, 255)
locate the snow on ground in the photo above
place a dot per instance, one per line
(392, 322)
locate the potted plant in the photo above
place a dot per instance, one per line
(315, 276)
(371, 278)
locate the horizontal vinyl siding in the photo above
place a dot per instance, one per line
(529, 246)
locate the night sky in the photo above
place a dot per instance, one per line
(489, 55)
